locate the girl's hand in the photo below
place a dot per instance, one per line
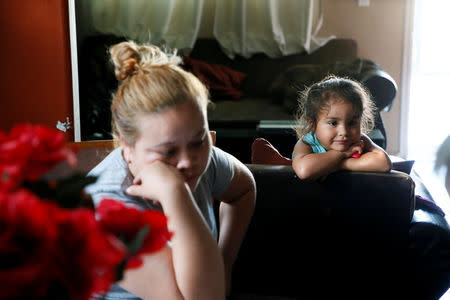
(357, 147)
(155, 180)
(314, 166)
(373, 158)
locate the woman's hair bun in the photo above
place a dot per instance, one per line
(125, 58)
(129, 58)
(127, 68)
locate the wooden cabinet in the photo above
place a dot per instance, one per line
(35, 81)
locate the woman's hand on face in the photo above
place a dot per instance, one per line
(154, 180)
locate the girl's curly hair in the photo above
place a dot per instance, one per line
(317, 97)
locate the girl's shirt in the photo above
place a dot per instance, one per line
(114, 178)
(311, 139)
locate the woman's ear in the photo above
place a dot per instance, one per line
(127, 150)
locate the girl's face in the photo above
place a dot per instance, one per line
(178, 136)
(337, 126)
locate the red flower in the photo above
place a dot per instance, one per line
(33, 150)
(50, 252)
(10, 176)
(119, 219)
(45, 249)
(26, 237)
(87, 260)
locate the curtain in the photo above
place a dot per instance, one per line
(172, 23)
(273, 27)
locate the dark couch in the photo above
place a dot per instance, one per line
(357, 235)
(270, 90)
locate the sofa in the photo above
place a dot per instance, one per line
(257, 96)
(356, 235)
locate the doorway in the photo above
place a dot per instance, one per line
(428, 117)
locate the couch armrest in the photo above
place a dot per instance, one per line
(429, 247)
(382, 87)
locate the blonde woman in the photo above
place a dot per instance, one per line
(166, 162)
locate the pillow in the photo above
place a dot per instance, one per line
(399, 164)
(222, 81)
(264, 153)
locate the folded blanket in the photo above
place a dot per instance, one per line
(427, 204)
(222, 81)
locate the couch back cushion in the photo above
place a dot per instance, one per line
(261, 69)
(263, 152)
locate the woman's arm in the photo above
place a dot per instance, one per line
(309, 165)
(193, 267)
(236, 210)
(373, 158)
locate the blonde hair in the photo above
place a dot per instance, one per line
(150, 80)
(317, 97)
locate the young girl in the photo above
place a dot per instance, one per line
(166, 162)
(332, 115)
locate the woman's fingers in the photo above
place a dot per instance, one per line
(133, 190)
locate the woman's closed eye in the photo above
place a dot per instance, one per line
(167, 152)
(199, 143)
(170, 152)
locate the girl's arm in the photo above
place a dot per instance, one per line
(309, 165)
(192, 268)
(373, 158)
(236, 209)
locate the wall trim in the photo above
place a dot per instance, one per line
(406, 76)
(74, 63)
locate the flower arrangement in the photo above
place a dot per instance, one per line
(53, 244)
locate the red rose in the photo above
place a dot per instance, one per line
(27, 238)
(46, 250)
(33, 150)
(89, 255)
(2, 136)
(119, 219)
(50, 252)
(10, 176)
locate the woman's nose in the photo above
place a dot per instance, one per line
(185, 160)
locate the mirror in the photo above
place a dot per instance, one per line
(95, 26)
(241, 88)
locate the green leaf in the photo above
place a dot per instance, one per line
(136, 244)
(70, 191)
(133, 247)
(40, 188)
(67, 192)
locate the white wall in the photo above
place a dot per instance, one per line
(378, 30)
